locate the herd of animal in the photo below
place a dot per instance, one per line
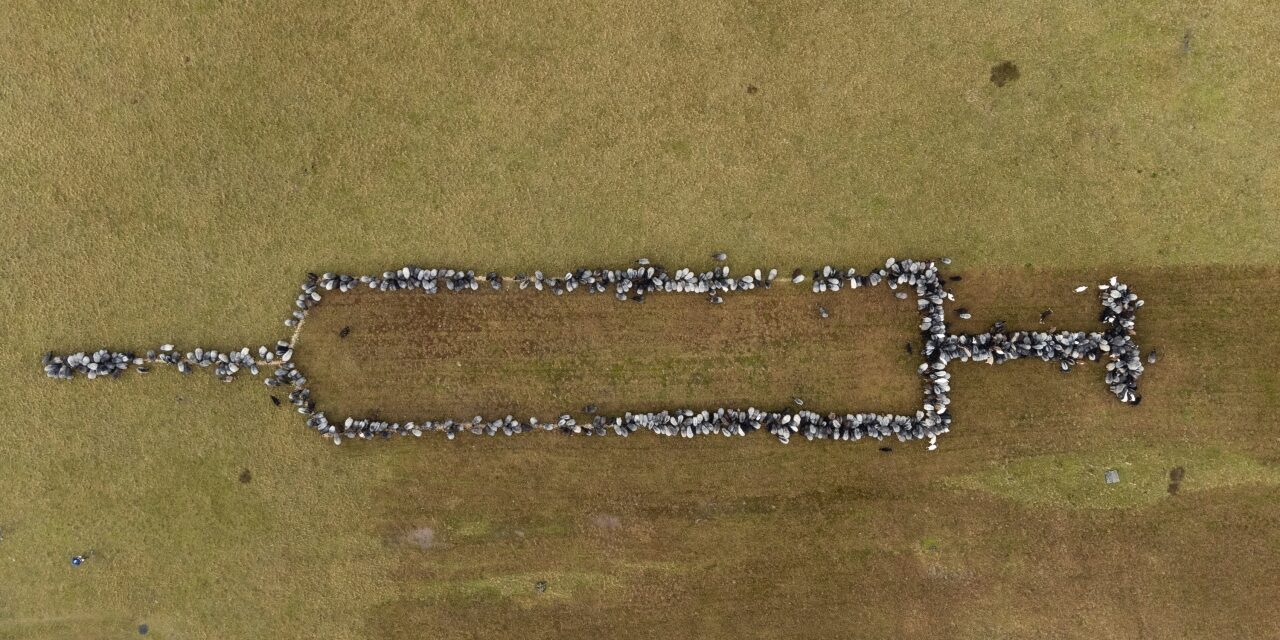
(1115, 345)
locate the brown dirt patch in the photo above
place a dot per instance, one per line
(415, 356)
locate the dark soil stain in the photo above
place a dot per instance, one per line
(246, 476)
(1004, 73)
(1175, 479)
(346, 331)
(752, 89)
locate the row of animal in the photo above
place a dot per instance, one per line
(225, 364)
(683, 423)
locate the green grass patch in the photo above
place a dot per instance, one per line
(530, 589)
(929, 545)
(521, 589)
(1075, 480)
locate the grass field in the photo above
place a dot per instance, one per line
(171, 173)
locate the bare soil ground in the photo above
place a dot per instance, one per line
(409, 355)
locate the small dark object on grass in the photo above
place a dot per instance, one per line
(246, 476)
(1045, 314)
(77, 560)
(591, 408)
(540, 586)
(346, 331)
(886, 449)
(752, 89)
(908, 348)
(143, 629)
(997, 327)
(1175, 480)
(275, 401)
(956, 278)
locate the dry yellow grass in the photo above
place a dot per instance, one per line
(170, 172)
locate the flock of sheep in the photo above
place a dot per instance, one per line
(1115, 345)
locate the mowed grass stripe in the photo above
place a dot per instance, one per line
(409, 355)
